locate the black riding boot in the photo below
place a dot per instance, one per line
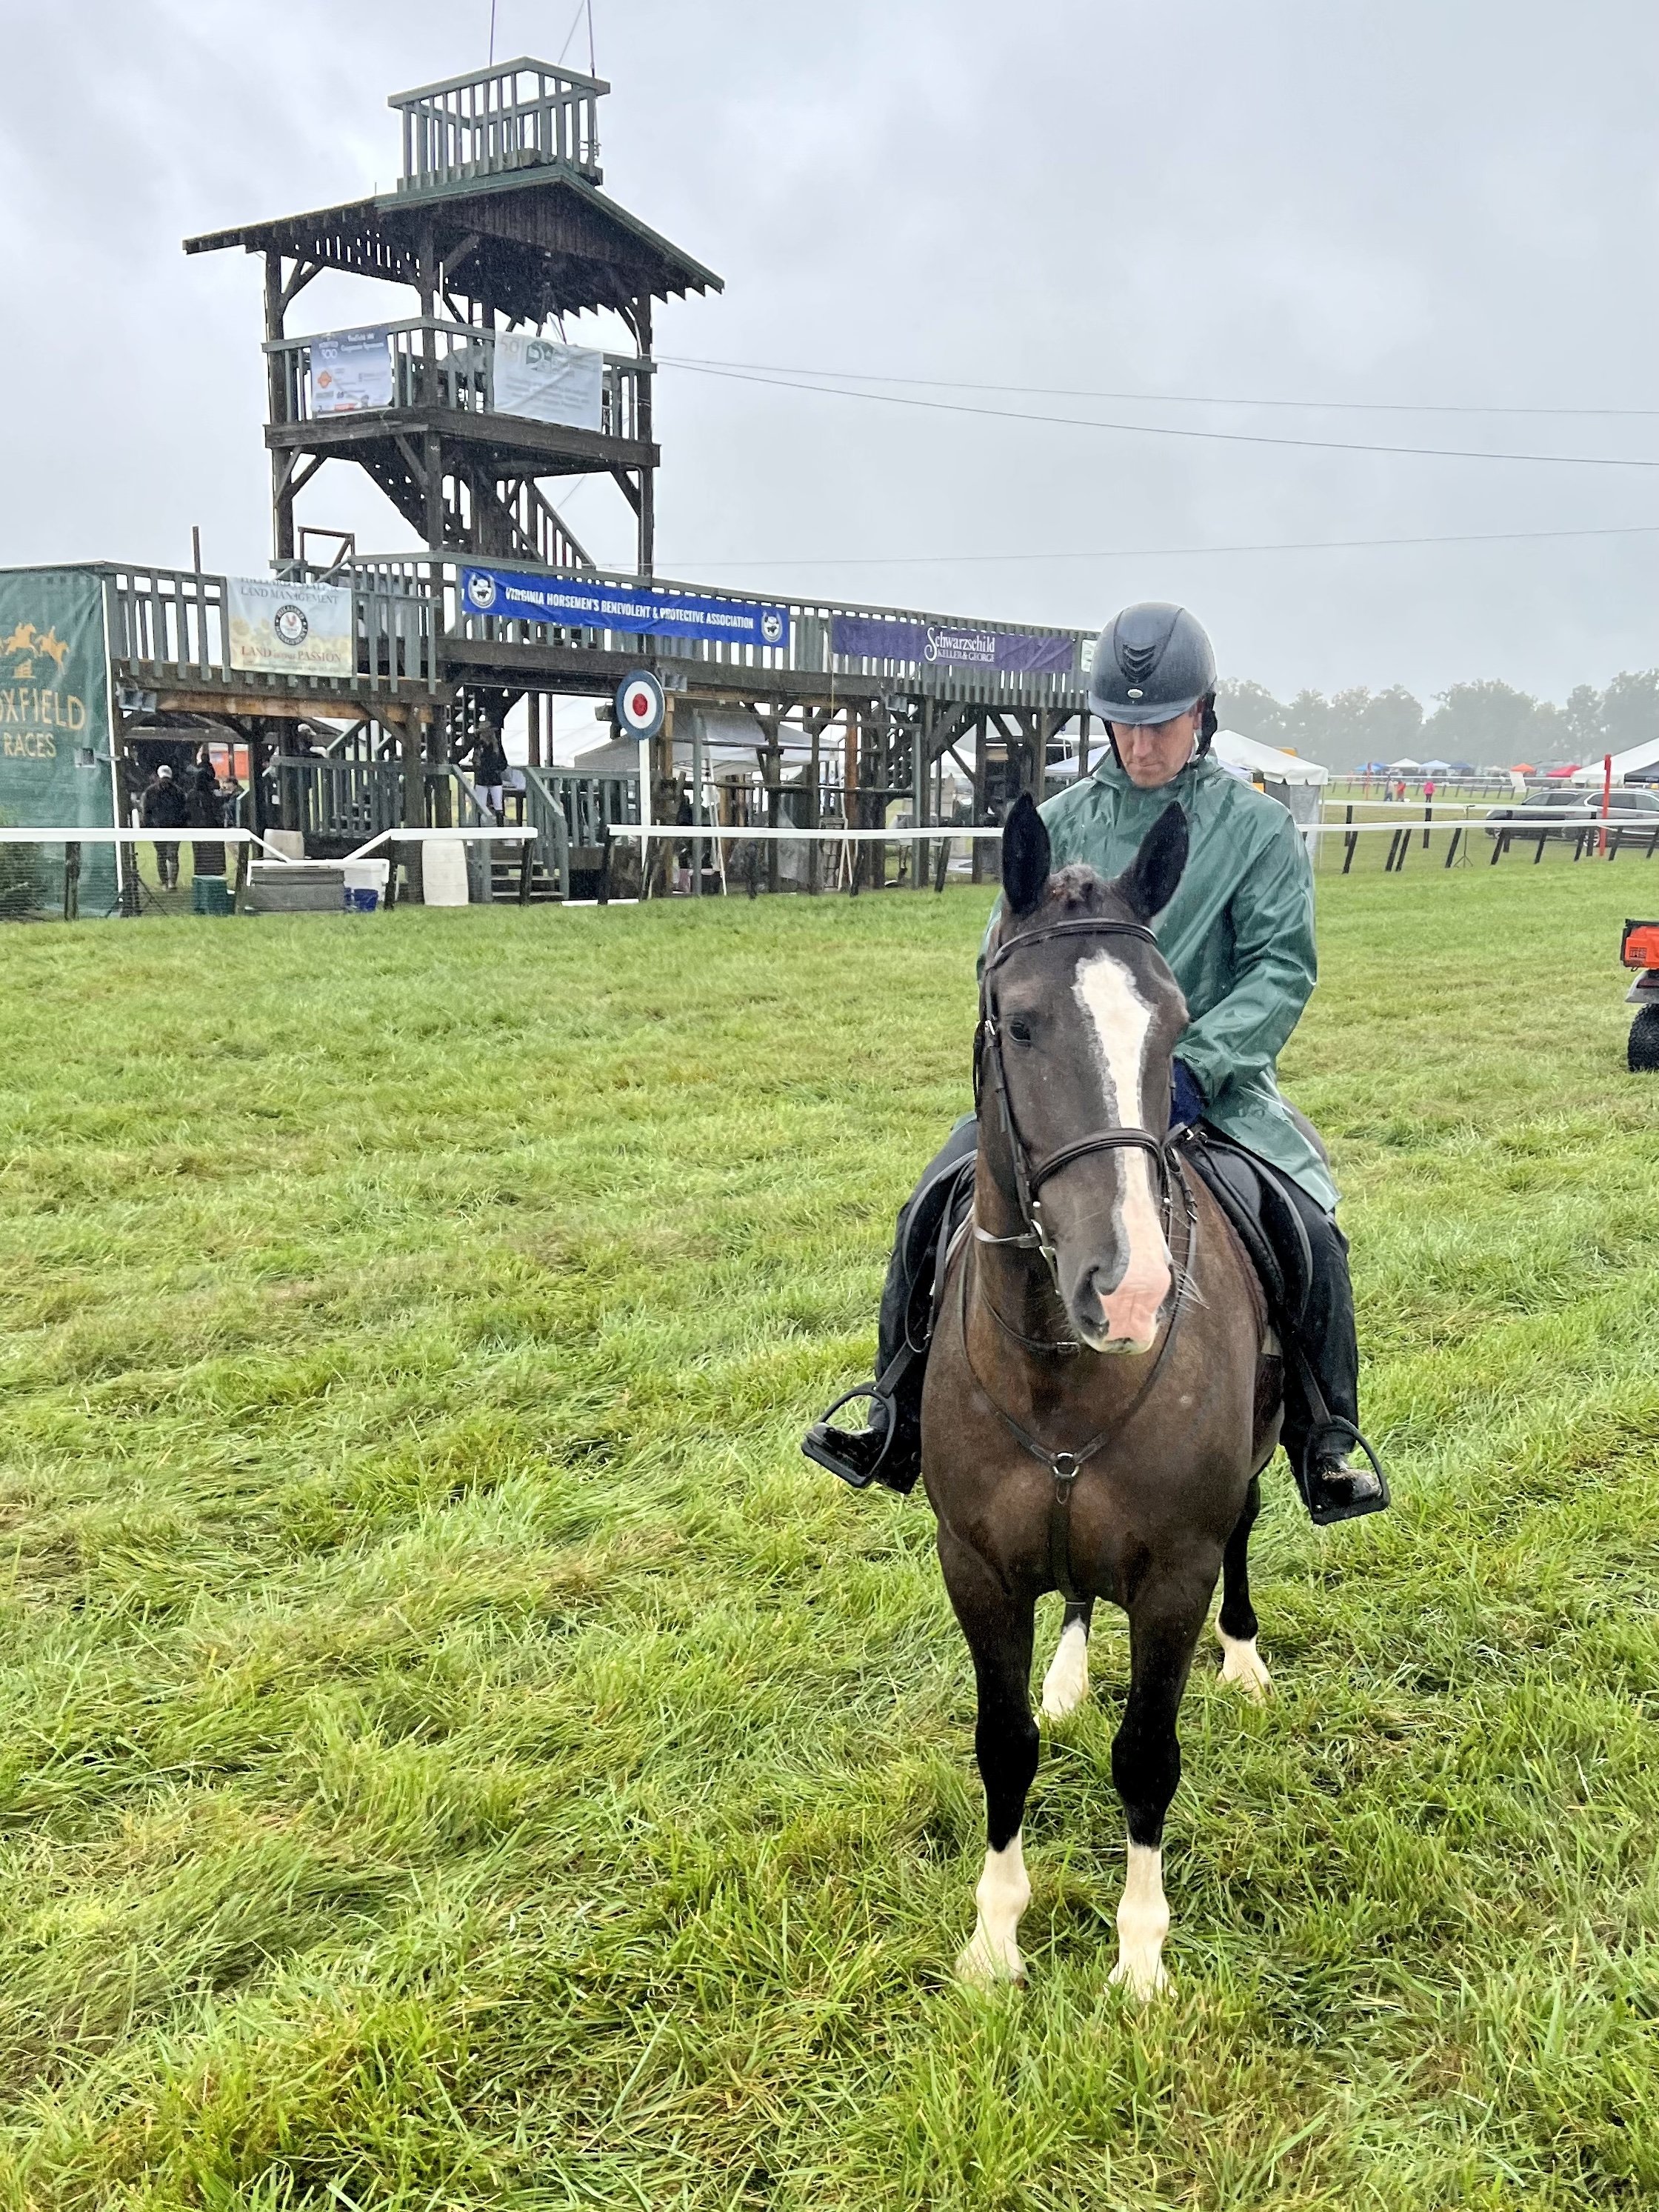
(1319, 1439)
(888, 1449)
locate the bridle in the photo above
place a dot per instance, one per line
(1030, 1175)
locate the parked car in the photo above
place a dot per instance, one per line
(1568, 810)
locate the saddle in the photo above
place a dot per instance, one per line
(1246, 1188)
(1267, 1225)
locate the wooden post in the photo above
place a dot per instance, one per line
(697, 805)
(772, 770)
(413, 748)
(814, 810)
(432, 456)
(647, 519)
(921, 739)
(665, 799)
(281, 500)
(1607, 798)
(533, 717)
(877, 742)
(977, 872)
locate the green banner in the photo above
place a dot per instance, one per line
(55, 734)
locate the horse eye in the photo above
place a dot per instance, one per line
(1020, 1032)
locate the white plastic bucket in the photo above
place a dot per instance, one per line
(365, 884)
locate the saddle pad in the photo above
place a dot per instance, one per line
(1267, 1223)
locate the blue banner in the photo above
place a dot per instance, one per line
(635, 608)
(955, 645)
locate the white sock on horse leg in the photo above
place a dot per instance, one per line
(1002, 1893)
(1066, 1685)
(1243, 1664)
(1143, 1922)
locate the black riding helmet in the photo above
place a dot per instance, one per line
(1152, 663)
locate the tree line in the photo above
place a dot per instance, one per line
(1488, 724)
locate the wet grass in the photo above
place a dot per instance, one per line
(455, 1752)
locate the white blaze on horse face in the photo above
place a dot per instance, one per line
(1002, 1895)
(1143, 1922)
(1121, 1021)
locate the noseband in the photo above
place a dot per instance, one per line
(1030, 1175)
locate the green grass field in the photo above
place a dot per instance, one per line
(455, 1752)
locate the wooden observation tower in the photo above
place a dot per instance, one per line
(468, 414)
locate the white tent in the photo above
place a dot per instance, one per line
(1623, 764)
(1266, 761)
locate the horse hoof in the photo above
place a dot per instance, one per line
(987, 1966)
(1144, 1979)
(1066, 1685)
(1242, 1663)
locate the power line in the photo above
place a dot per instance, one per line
(1168, 430)
(1155, 398)
(571, 33)
(1170, 552)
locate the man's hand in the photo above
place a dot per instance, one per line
(1186, 1099)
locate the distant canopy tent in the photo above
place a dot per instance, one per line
(1267, 760)
(1631, 764)
(1404, 767)
(1294, 782)
(1560, 775)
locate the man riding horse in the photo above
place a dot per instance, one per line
(1238, 934)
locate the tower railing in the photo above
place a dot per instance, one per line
(173, 624)
(523, 114)
(450, 366)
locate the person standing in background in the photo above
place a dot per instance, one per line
(490, 769)
(163, 807)
(205, 807)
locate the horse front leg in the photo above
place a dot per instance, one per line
(1145, 1768)
(999, 1627)
(1066, 1685)
(1235, 1624)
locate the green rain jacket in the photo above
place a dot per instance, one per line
(1238, 934)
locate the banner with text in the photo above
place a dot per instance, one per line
(289, 629)
(55, 749)
(350, 370)
(630, 607)
(955, 645)
(547, 382)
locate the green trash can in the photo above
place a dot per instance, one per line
(210, 895)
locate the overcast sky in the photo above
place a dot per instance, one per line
(1452, 203)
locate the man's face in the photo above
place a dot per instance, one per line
(1154, 753)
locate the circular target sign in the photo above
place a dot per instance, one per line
(638, 704)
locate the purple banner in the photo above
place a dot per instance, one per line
(954, 645)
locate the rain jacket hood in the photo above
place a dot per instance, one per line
(1238, 935)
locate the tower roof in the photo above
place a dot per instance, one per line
(504, 166)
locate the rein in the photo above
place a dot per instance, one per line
(1028, 1178)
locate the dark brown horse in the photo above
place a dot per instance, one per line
(1101, 1390)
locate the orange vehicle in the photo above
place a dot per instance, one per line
(1640, 948)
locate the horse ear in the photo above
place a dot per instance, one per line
(1148, 884)
(1025, 856)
